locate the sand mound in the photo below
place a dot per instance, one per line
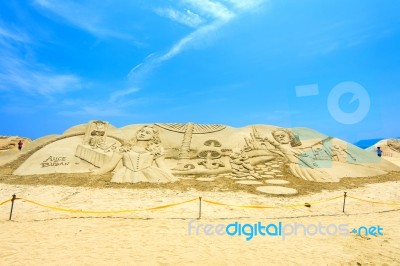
(11, 142)
(8, 143)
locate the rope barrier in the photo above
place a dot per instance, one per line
(320, 201)
(104, 212)
(377, 202)
(187, 201)
(4, 202)
(270, 207)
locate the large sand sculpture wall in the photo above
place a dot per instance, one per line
(168, 152)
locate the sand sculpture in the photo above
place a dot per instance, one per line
(142, 160)
(394, 145)
(300, 164)
(96, 148)
(159, 153)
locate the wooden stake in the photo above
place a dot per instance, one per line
(12, 205)
(199, 208)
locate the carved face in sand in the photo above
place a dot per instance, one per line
(145, 133)
(281, 136)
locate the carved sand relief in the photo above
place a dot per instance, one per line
(255, 156)
(241, 166)
(96, 136)
(140, 159)
(210, 155)
(297, 160)
(55, 161)
(185, 161)
(394, 144)
(341, 154)
(96, 148)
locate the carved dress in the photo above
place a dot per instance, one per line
(138, 166)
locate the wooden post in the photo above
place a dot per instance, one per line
(12, 205)
(199, 208)
(344, 200)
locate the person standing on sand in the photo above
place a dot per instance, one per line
(379, 152)
(20, 143)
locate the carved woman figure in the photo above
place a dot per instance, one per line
(299, 163)
(142, 160)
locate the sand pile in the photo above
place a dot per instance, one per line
(10, 143)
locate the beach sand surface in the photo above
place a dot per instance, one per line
(42, 236)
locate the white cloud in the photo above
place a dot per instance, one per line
(211, 8)
(143, 69)
(186, 17)
(189, 39)
(215, 13)
(121, 93)
(19, 72)
(16, 74)
(14, 34)
(140, 71)
(246, 5)
(93, 111)
(89, 16)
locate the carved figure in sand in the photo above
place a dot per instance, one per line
(142, 160)
(320, 153)
(184, 161)
(394, 144)
(210, 155)
(240, 164)
(96, 134)
(298, 162)
(341, 155)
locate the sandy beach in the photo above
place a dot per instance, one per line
(199, 132)
(42, 236)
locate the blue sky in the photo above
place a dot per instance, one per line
(333, 66)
